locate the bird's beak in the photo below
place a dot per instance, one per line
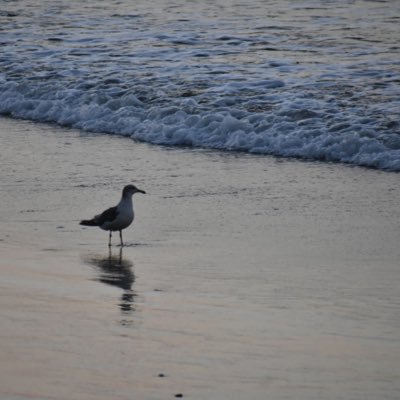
(140, 191)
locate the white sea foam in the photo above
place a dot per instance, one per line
(187, 82)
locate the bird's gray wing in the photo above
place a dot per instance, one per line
(107, 216)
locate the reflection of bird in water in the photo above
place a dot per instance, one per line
(115, 270)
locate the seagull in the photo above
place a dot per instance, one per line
(116, 218)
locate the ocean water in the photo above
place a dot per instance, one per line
(306, 78)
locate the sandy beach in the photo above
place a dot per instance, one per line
(244, 277)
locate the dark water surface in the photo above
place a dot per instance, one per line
(309, 79)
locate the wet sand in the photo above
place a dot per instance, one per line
(244, 277)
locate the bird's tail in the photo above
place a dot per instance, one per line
(89, 222)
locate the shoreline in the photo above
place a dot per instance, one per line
(244, 276)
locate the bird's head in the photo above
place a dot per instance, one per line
(129, 190)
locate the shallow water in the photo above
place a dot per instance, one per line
(244, 276)
(308, 79)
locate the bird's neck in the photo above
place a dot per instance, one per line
(126, 201)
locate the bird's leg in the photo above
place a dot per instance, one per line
(120, 236)
(109, 240)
